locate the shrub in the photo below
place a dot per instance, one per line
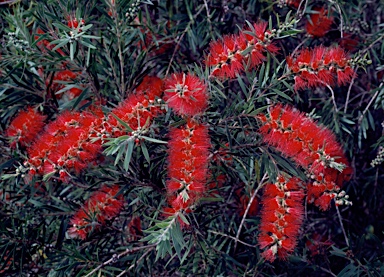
(191, 138)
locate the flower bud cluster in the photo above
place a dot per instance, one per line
(281, 218)
(320, 66)
(133, 10)
(312, 147)
(379, 158)
(234, 53)
(21, 44)
(103, 205)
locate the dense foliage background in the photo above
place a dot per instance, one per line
(106, 48)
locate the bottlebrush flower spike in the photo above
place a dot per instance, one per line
(281, 218)
(151, 86)
(229, 55)
(186, 94)
(188, 161)
(319, 23)
(320, 67)
(312, 147)
(138, 110)
(103, 205)
(65, 145)
(25, 127)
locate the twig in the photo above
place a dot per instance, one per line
(118, 35)
(369, 104)
(235, 239)
(300, 14)
(208, 18)
(349, 93)
(248, 207)
(342, 226)
(333, 97)
(328, 271)
(142, 257)
(180, 39)
(115, 257)
(341, 19)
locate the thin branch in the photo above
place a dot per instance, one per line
(333, 97)
(132, 265)
(369, 104)
(349, 92)
(342, 226)
(235, 239)
(341, 19)
(180, 39)
(116, 257)
(118, 35)
(248, 207)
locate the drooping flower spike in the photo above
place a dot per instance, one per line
(320, 66)
(313, 147)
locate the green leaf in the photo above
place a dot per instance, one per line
(128, 154)
(126, 126)
(145, 151)
(153, 140)
(87, 44)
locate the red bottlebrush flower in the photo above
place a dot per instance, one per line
(349, 42)
(151, 86)
(320, 67)
(187, 164)
(317, 244)
(103, 205)
(186, 94)
(229, 55)
(65, 145)
(25, 127)
(138, 111)
(319, 23)
(312, 147)
(281, 218)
